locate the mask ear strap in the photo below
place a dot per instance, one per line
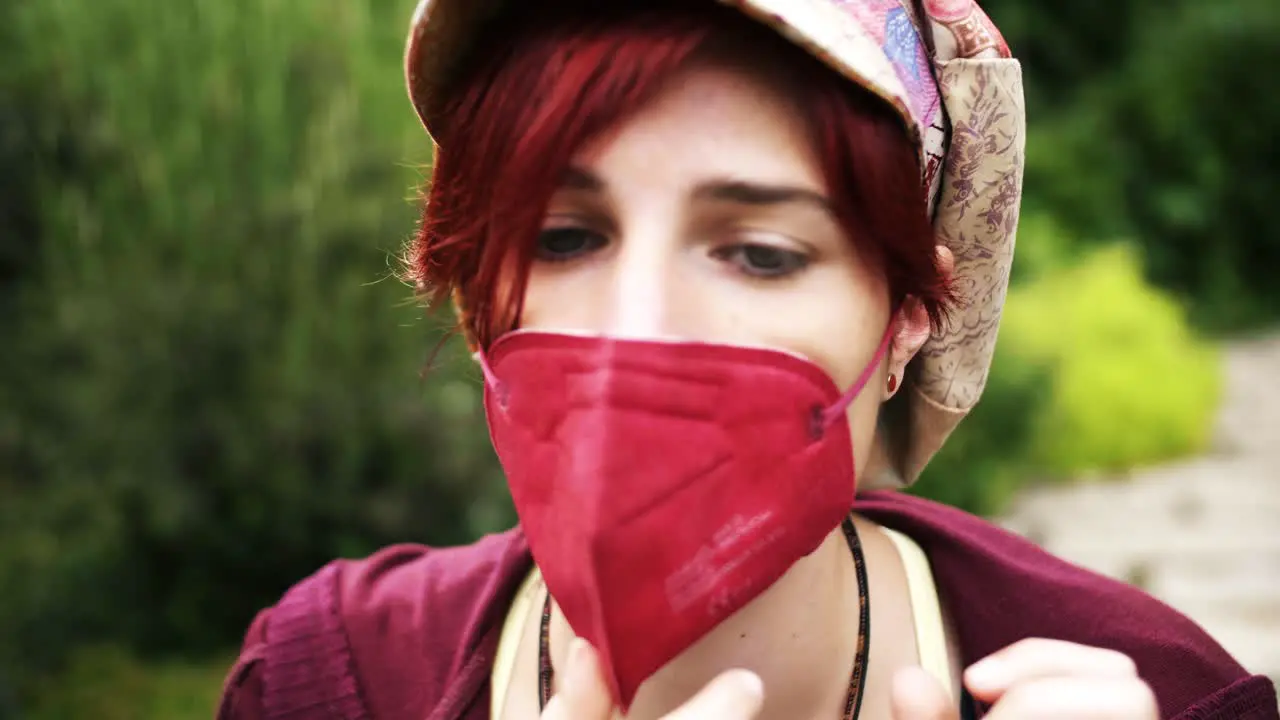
(491, 380)
(837, 411)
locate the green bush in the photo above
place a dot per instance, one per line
(1095, 370)
(1131, 384)
(107, 683)
(1044, 247)
(1169, 142)
(209, 384)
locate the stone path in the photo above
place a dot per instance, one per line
(1203, 535)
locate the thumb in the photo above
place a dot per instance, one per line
(946, 261)
(917, 695)
(583, 695)
(733, 695)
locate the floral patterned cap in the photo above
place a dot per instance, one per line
(951, 80)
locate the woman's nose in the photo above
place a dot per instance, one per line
(648, 296)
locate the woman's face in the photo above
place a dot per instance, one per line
(705, 217)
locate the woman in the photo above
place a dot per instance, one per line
(704, 254)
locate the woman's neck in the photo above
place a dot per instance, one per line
(800, 636)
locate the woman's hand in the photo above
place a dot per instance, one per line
(733, 695)
(1042, 679)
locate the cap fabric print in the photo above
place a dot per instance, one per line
(950, 78)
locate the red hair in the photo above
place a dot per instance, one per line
(550, 78)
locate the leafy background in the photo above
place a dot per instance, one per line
(210, 384)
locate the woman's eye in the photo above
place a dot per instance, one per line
(764, 260)
(562, 244)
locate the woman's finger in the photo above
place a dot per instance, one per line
(1078, 698)
(917, 695)
(1041, 658)
(732, 695)
(583, 694)
(946, 261)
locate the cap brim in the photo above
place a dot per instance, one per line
(881, 50)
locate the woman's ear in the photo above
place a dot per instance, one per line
(912, 329)
(910, 334)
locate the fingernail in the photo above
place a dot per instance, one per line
(750, 683)
(987, 674)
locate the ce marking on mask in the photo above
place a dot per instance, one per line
(731, 546)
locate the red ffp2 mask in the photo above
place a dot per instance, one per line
(664, 485)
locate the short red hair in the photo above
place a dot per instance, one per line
(551, 76)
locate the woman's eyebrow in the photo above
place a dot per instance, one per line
(741, 192)
(576, 178)
(744, 192)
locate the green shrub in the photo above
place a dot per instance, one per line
(1044, 247)
(1170, 142)
(208, 385)
(1095, 370)
(107, 683)
(1131, 384)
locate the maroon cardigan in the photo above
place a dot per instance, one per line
(411, 632)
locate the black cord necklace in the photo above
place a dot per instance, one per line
(853, 701)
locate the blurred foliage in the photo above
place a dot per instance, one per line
(1096, 370)
(209, 384)
(1129, 383)
(107, 683)
(1156, 121)
(212, 387)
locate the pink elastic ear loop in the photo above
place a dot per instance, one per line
(495, 385)
(831, 415)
